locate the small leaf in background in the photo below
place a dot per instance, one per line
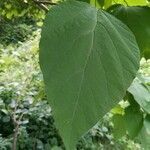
(118, 110)
(133, 121)
(137, 19)
(141, 95)
(6, 119)
(8, 6)
(39, 24)
(130, 122)
(119, 126)
(24, 122)
(5, 111)
(85, 76)
(9, 15)
(144, 135)
(13, 104)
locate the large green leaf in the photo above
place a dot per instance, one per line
(88, 59)
(141, 94)
(138, 20)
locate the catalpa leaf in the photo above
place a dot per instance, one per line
(88, 59)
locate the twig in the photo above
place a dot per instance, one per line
(45, 8)
(47, 2)
(42, 5)
(16, 125)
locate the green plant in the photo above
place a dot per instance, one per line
(11, 9)
(20, 127)
(5, 144)
(89, 59)
(22, 92)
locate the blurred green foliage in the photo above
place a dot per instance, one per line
(12, 9)
(12, 32)
(18, 20)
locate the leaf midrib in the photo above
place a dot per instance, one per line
(81, 83)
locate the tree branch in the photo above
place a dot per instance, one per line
(42, 5)
(45, 8)
(47, 2)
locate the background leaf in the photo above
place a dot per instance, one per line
(144, 135)
(133, 121)
(119, 126)
(130, 122)
(137, 19)
(141, 94)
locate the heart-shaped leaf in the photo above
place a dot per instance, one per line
(88, 59)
